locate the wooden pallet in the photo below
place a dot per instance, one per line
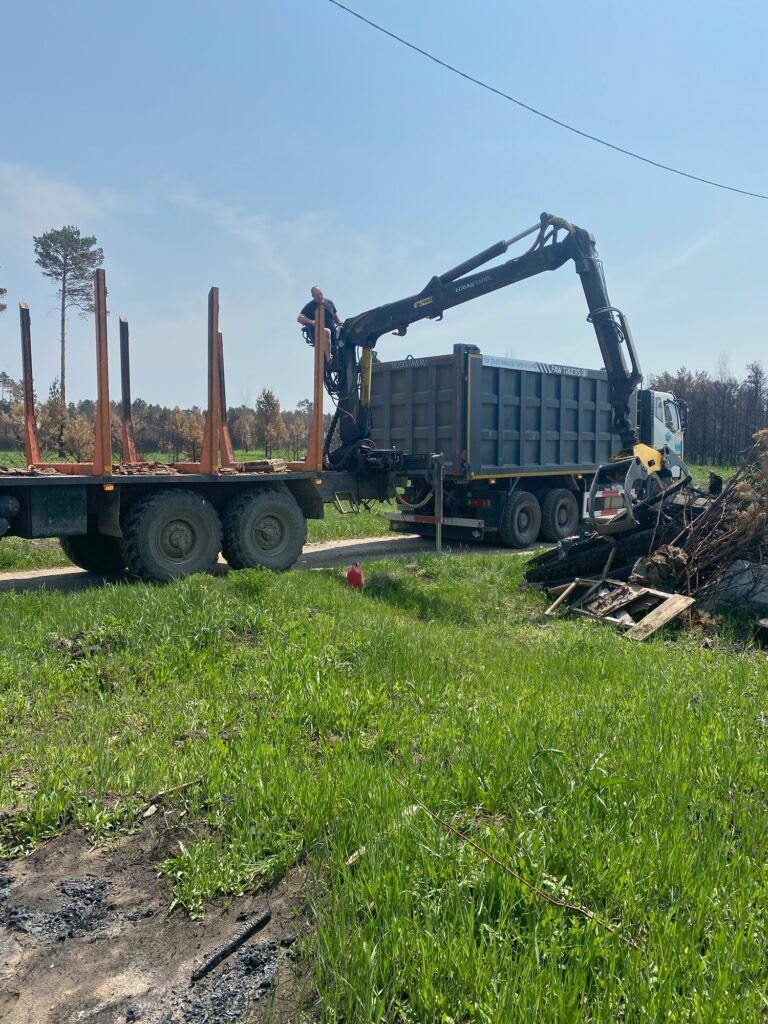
(638, 610)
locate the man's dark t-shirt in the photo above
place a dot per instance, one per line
(330, 312)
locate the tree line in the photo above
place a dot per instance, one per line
(723, 414)
(723, 411)
(174, 434)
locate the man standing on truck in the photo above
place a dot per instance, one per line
(307, 317)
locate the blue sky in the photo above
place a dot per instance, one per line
(266, 146)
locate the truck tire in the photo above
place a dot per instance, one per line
(559, 514)
(263, 526)
(520, 520)
(169, 534)
(94, 552)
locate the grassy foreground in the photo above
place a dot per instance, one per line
(631, 780)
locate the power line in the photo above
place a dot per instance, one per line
(540, 113)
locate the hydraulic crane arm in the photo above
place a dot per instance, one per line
(349, 379)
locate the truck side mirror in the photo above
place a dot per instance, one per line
(683, 410)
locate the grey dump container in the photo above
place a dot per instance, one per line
(491, 416)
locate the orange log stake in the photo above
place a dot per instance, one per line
(31, 443)
(314, 459)
(102, 451)
(209, 460)
(227, 452)
(129, 445)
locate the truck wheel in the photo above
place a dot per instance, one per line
(94, 552)
(169, 534)
(559, 515)
(264, 526)
(520, 520)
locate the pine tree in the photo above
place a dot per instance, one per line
(79, 437)
(69, 259)
(269, 422)
(52, 420)
(3, 293)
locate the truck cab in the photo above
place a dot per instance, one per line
(662, 420)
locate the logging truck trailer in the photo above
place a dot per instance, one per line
(161, 526)
(161, 521)
(521, 441)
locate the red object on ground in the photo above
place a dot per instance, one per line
(355, 576)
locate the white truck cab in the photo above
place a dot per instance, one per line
(662, 420)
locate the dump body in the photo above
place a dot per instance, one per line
(520, 442)
(494, 417)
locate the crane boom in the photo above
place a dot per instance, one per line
(348, 377)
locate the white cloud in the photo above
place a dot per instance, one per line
(314, 246)
(31, 202)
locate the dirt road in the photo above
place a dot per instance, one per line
(322, 555)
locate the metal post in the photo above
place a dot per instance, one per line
(102, 449)
(227, 452)
(315, 453)
(31, 442)
(129, 445)
(438, 472)
(209, 460)
(314, 459)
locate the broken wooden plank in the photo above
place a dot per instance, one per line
(612, 619)
(564, 592)
(606, 604)
(674, 605)
(639, 588)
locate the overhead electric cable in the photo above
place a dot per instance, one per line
(540, 113)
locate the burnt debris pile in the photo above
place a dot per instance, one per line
(710, 548)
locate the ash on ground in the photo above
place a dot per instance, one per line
(228, 994)
(84, 910)
(86, 937)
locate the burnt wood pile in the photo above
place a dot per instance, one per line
(711, 548)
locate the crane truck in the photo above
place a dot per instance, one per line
(525, 446)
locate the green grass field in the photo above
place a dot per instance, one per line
(630, 780)
(19, 554)
(701, 473)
